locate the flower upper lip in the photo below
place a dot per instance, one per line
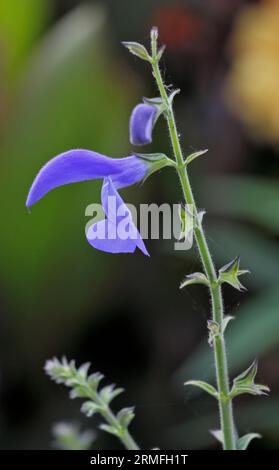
(83, 165)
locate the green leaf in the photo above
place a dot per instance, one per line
(195, 278)
(230, 273)
(244, 383)
(204, 386)
(137, 49)
(125, 416)
(195, 155)
(244, 441)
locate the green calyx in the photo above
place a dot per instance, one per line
(155, 162)
(245, 383)
(230, 273)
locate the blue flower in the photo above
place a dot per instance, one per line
(82, 165)
(141, 124)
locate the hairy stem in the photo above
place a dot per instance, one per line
(220, 356)
(123, 434)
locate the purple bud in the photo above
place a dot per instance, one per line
(141, 124)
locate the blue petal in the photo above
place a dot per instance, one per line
(117, 233)
(141, 124)
(82, 165)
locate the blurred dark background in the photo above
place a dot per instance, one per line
(66, 81)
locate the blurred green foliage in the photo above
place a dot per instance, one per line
(65, 98)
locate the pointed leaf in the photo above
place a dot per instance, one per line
(244, 441)
(137, 49)
(195, 278)
(157, 101)
(226, 321)
(218, 434)
(204, 386)
(173, 94)
(195, 155)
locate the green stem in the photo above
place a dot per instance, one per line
(123, 434)
(220, 356)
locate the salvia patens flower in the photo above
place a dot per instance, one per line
(141, 124)
(82, 165)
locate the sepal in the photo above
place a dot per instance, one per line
(157, 103)
(230, 274)
(155, 162)
(245, 383)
